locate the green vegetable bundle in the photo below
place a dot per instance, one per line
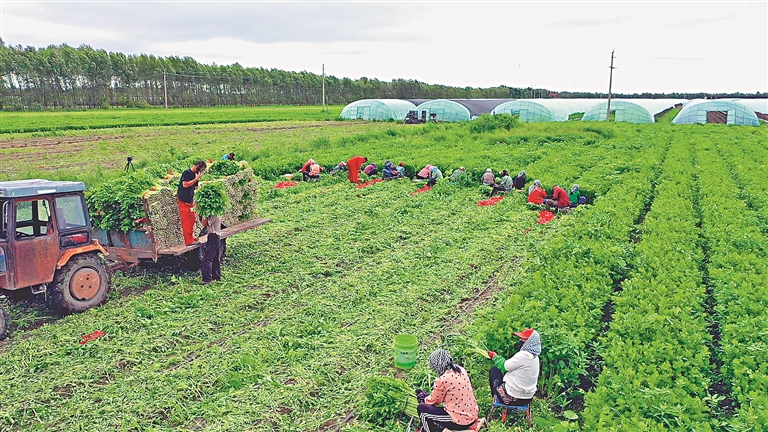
(387, 399)
(211, 199)
(116, 204)
(224, 168)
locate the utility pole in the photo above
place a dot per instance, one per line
(165, 90)
(610, 83)
(323, 87)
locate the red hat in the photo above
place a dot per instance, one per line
(525, 334)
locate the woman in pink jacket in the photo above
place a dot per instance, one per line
(454, 391)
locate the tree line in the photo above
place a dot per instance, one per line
(64, 77)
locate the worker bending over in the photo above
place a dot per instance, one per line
(314, 172)
(353, 167)
(519, 181)
(559, 199)
(435, 175)
(488, 178)
(305, 169)
(504, 186)
(424, 173)
(390, 171)
(536, 193)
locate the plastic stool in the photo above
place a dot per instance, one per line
(505, 409)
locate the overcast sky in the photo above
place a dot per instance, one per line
(661, 46)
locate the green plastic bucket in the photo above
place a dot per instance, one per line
(406, 347)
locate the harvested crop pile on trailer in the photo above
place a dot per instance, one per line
(146, 200)
(242, 190)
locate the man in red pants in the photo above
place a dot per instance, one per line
(353, 167)
(186, 196)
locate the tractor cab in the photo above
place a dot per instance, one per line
(46, 244)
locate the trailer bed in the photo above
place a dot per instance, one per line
(226, 232)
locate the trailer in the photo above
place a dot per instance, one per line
(128, 249)
(48, 245)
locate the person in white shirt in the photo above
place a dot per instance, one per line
(516, 385)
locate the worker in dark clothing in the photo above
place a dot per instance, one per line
(519, 181)
(211, 262)
(186, 195)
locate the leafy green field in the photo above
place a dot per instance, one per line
(651, 301)
(17, 122)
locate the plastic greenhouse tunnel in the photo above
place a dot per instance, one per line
(716, 111)
(543, 110)
(377, 109)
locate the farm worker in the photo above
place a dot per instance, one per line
(390, 171)
(504, 186)
(536, 193)
(559, 199)
(434, 175)
(314, 172)
(186, 195)
(370, 169)
(424, 173)
(401, 169)
(305, 169)
(453, 390)
(516, 385)
(488, 178)
(519, 181)
(574, 194)
(354, 165)
(340, 167)
(457, 173)
(210, 265)
(228, 156)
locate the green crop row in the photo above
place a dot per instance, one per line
(656, 370)
(738, 271)
(748, 159)
(22, 122)
(572, 273)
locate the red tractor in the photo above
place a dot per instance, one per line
(47, 246)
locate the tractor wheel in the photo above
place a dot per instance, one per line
(81, 284)
(3, 323)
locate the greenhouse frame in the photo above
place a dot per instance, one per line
(716, 111)
(543, 110)
(450, 110)
(377, 109)
(631, 110)
(758, 105)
